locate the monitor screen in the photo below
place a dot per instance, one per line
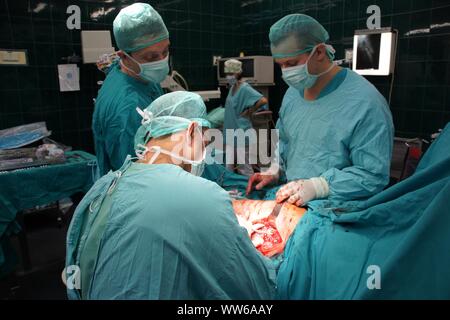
(248, 68)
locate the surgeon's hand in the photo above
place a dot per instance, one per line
(301, 192)
(259, 180)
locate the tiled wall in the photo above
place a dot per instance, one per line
(421, 94)
(200, 29)
(31, 93)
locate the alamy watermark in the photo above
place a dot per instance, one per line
(251, 146)
(374, 21)
(374, 279)
(72, 277)
(74, 20)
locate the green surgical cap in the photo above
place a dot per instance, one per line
(171, 113)
(297, 34)
(138, 26)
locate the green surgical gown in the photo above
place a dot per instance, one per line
(345, 136)
(168, 235)
(394, 245)
(245, 98)
(115, 119)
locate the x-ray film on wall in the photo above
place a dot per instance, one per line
(369, 51)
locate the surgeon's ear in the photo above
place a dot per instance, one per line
(321, 53)
(191, 132)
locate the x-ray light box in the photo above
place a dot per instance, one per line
(374, 52)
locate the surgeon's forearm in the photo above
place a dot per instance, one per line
(354, 183)
(251, 110)
(263, 101)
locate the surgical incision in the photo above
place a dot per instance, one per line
(269, 233)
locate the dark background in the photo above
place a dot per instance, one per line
(200, 29)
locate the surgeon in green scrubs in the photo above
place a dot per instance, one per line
(155, 229)
(134, 81)
(335, 129)
(241, 103)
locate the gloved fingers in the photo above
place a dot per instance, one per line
(296, 185)
(284, 193)
(300, 203)
(281, 196)
(294, 198)
(289, 189)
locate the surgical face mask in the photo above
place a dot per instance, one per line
(197, 166)
(299, 77)
(152, 71)
(231, 80)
